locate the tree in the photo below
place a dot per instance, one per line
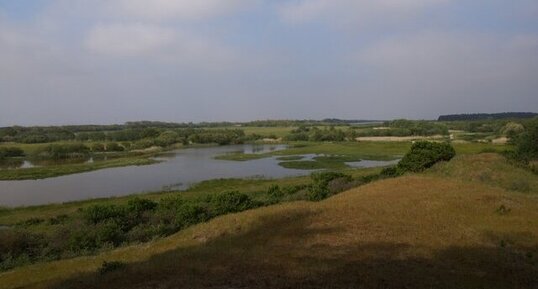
(527, 142)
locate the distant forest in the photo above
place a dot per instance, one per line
(485, 116)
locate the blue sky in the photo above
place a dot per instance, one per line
(110, 61)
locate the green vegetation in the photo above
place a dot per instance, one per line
(290, 158)
(101, 226)
(67, 169)
(460, 212)
(425, 229)
(403, 127)
(423, 155)
(316, 134)
(10, 152)
(311, 165)
(527, 141)
(333, 138)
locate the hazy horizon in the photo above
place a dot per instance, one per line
(111, 61)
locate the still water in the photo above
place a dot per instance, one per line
(177, 170)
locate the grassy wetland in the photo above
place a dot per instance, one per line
(443, 210)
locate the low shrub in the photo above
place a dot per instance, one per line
(8, 152)
(99, 213)
(138, 206)
(230, 202)
(321, 188)
(274, 194)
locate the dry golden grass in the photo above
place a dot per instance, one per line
(438, 230)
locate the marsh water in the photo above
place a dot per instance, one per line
(176, 170)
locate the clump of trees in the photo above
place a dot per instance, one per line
(526, 143)
(304, 133)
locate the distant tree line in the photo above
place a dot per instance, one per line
(485, 116)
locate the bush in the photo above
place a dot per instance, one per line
(15, 243)
(275, 194)
(325, 177)
(177, 213)
(321, 189)
(527, 142)
(424, 154)
(390, 172)
(138, 206)
(109, 233)
(318, 192)
(8, 152)
(338, 185)
(230, 202)
(99, 213)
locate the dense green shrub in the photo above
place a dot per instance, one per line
(321, 187)
(230, 202)
(527, 142)
(9, 152)
(138, 206)
(175, 213)
(424, 154)
(99, 213)
(274, 194)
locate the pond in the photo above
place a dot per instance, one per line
(177, 170)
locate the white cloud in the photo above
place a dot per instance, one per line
(161, 45)
(353, 11)
(128, 39)
(175, 9)
(146, 10)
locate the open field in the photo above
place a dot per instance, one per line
(433, 230)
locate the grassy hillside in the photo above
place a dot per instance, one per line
(447, 228)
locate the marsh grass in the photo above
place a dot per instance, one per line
(67, 169)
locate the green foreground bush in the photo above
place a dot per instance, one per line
(424, 154)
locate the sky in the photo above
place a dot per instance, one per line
(111, 61)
